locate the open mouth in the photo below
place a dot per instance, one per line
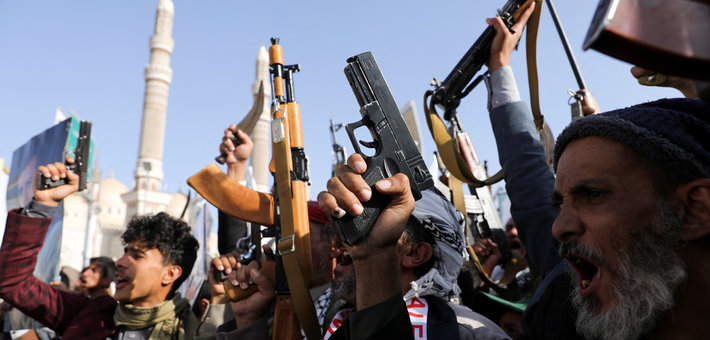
(587, 273)
(120, 281)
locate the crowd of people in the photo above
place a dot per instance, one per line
(611, 242)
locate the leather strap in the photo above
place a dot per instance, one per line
(450, 150)
(531, 56)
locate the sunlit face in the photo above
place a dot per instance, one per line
(140, 275)
(91, 276)
(604, 198)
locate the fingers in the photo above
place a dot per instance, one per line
(397, 187)
(265, 286)
(244, 274)
(347, 190)
(243, 137)
(55, 171)
(357, 163)
(518, 27)
(268, 253)
(328, 203)
(638, 71)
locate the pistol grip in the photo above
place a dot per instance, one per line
(44, 183)
(353, 229)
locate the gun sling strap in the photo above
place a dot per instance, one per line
(457, 165)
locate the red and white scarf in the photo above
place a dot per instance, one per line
(417, 307)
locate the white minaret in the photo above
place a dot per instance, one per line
(262, 133)
(146, 197)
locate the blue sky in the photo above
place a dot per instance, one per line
(89, 57)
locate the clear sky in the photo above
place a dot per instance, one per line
(89, 57)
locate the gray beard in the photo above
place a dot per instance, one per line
(649, 274)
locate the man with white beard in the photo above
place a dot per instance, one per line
(633, 189)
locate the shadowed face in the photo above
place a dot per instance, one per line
(617, 236)
(91, 276)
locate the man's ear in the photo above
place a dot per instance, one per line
(416, 254)
(171, 274)
(695, 199)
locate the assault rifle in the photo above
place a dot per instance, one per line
(81, 161)
(395, 150)
(457, 85)
(294, 308)
(338, 150)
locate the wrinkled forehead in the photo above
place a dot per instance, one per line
(596, 159)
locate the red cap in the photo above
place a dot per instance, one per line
(316, 214)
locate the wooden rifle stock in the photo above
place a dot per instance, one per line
(295, 306)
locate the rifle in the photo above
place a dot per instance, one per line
(81, 161)
(338, 150)
(289, 166)
(395, 150)
(457, 84)
(583, 99)
(664, 36)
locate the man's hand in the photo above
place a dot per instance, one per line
(505, 41)
(649, 78)
(377, 265)
(53, 196)
(256, 305)
(345, 193)
(223, 264)
(489, 253)
(237, 156)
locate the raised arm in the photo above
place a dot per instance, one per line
(529, 180)
(24, 234)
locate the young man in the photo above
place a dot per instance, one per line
(97, 277)
(159, 254)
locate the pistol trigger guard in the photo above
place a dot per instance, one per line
(350, 129)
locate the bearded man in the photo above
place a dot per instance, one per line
(633, 189)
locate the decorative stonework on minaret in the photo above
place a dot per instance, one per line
(146, 197)
(262, 133)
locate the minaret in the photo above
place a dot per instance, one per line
(146, 197)
(261, 134)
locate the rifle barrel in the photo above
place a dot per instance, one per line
(565, 44)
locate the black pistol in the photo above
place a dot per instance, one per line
(81, 161)
(395, 150)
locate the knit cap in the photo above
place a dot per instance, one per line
(674, 134)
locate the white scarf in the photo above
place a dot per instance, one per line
(432, 283)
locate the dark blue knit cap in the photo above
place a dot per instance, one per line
(671, 133)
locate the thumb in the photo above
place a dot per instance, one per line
(261, 281)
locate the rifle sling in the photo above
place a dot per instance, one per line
(457, 198)
(302, 302)
(449, 149)
(531, 56)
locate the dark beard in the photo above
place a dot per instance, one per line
(343, 287)
(647, 277)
